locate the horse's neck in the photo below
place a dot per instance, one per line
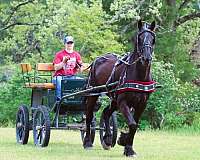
(143, 72)
(137, 71)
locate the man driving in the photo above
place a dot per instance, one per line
(67, 63)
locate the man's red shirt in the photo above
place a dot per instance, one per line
(70, 68)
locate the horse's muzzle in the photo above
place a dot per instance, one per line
(146, 54)
(146, 60)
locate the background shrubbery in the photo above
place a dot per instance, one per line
(171, 105)
(33, 33)
(12, 94)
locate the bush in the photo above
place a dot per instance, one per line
(166, 105)
(12, 94)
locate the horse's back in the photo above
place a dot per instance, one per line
(102, 68)
(106, 58)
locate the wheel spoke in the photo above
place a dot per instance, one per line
(20, 117)
(39, 136)
(43, 135)
(40, 125)
(22, 125)
(20, 133)
(40, 132)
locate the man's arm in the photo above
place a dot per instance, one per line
(58, 66)
(79, 67)
(61, 64)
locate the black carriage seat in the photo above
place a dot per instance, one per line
(74, 103)
(69, 86)
(40, 78)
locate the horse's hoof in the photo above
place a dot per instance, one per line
(88, 148)
(107, 139)
(132, 156)
(129, 152)
(87, 145)
(122, 141)
(105, 146)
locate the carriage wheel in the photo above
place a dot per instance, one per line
(92, 134)
(113, 127)
(41, 126)
(22, 125)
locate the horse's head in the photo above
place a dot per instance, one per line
(144, 42)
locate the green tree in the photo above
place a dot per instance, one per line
(36, 28)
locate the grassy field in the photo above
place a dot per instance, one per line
(150, 145)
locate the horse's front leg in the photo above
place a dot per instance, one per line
(126, 139)
(90, 104)
(107, 112)
(136, 115)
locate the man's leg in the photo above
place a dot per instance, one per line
(57, 82)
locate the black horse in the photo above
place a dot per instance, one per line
(130, 95)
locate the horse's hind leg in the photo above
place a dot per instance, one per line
(90, 104)
(126, 139)
(107, 112)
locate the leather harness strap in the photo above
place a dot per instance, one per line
(136, 86)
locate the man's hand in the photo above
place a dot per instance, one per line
(61, 64)
(65, 59)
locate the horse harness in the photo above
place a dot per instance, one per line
(129, 85)
(132, 85)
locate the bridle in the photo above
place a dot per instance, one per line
(140, 50)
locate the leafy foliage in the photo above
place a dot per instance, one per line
(50, 22)
(170, 105)
(12, 94)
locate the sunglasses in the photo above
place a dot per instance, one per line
(70, 42)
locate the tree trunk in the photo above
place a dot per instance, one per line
(171, 2)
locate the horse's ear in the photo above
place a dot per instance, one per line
(153, 26)
(140, 24)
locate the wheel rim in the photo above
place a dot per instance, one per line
(92, 133)
(20, 126)
(39, 128)
(102, 130)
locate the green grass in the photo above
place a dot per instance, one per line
(150, 145)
